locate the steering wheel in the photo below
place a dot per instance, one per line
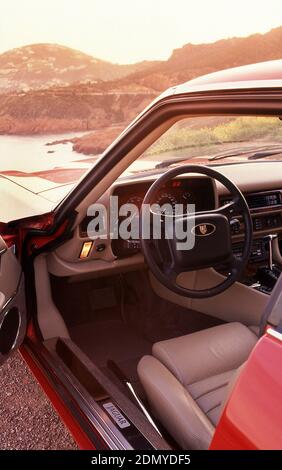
(212, 237)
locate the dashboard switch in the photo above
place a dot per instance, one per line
(101, 247)
(85, 250)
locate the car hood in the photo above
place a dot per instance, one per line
(31, 194)
(28, 194)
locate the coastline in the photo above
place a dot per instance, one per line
(92, 143)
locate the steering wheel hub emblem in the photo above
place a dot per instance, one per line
(204, 230)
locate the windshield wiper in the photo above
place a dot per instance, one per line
(266, 153)
(255, 152)
(172, 161)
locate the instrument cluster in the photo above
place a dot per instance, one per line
(197, 191)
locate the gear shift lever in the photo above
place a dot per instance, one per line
(268, 276)
(269, 240)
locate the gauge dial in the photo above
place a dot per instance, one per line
(136, 201)
(167, 202)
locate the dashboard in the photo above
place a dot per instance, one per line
(262, 188)
(265, 207)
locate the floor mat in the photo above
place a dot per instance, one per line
(112, 339)
(120, 318)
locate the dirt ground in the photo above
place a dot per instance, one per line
(27, 418)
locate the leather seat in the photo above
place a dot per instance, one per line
(186, 380)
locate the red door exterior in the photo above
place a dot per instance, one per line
(252, 418)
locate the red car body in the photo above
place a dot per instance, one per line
(252, 417)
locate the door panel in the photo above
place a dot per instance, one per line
(12, 302)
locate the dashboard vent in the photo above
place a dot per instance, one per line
(260, 200)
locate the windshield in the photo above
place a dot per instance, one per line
(214, 140)
(52, 164)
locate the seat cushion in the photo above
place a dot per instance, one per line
(186, 380)
(192, 358)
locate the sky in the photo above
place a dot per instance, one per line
(128, 31)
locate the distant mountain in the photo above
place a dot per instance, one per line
(41, 66)
(56, 89)
(44, 65)
(193, 60)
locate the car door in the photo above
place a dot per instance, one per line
(13, 319)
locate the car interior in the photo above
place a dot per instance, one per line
(151, 352)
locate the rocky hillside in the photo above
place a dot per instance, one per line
(54, 111)
(44, 65)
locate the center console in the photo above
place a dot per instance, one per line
(259, 253)
(262, 272)
(266, 212)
